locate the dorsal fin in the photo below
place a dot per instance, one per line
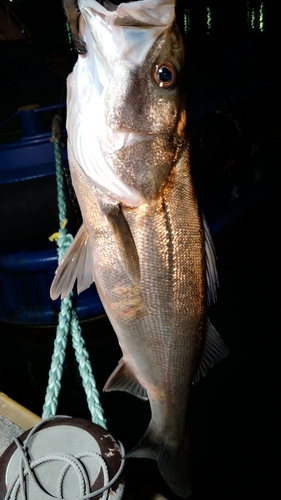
(77, 263)
(214, 351)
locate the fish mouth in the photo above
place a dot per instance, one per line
(126, 31)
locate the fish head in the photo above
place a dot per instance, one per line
(130, 97)
(147, 98)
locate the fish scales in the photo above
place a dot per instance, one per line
(143, 240)
(169, 269)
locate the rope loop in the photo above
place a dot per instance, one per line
(27, 468)
(68, 322)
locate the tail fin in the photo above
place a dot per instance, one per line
(173, 462)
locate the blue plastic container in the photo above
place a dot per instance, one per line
(31, 156)
(25, 279)
(29, 215)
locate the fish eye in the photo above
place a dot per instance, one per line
(165, 75)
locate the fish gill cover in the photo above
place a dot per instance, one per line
(113, 34)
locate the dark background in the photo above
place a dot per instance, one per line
(227, 51)
(234, 414)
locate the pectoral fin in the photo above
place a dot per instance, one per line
(123, 379)
(77, 264)
(125, 244)
(214, 351)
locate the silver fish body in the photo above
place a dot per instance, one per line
(143, 239)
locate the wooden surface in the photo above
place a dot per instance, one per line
(17, 413)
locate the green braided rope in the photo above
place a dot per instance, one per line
(68, 320)
(60, 183)
(85, 371)
(58, 357)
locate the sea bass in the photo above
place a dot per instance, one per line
(143, 239)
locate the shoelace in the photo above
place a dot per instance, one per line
(27, 467)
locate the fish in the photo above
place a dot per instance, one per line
(144, 240)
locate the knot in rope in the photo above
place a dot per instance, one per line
(63, 242)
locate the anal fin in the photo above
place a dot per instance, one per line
(123, 379)
(214, 351)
